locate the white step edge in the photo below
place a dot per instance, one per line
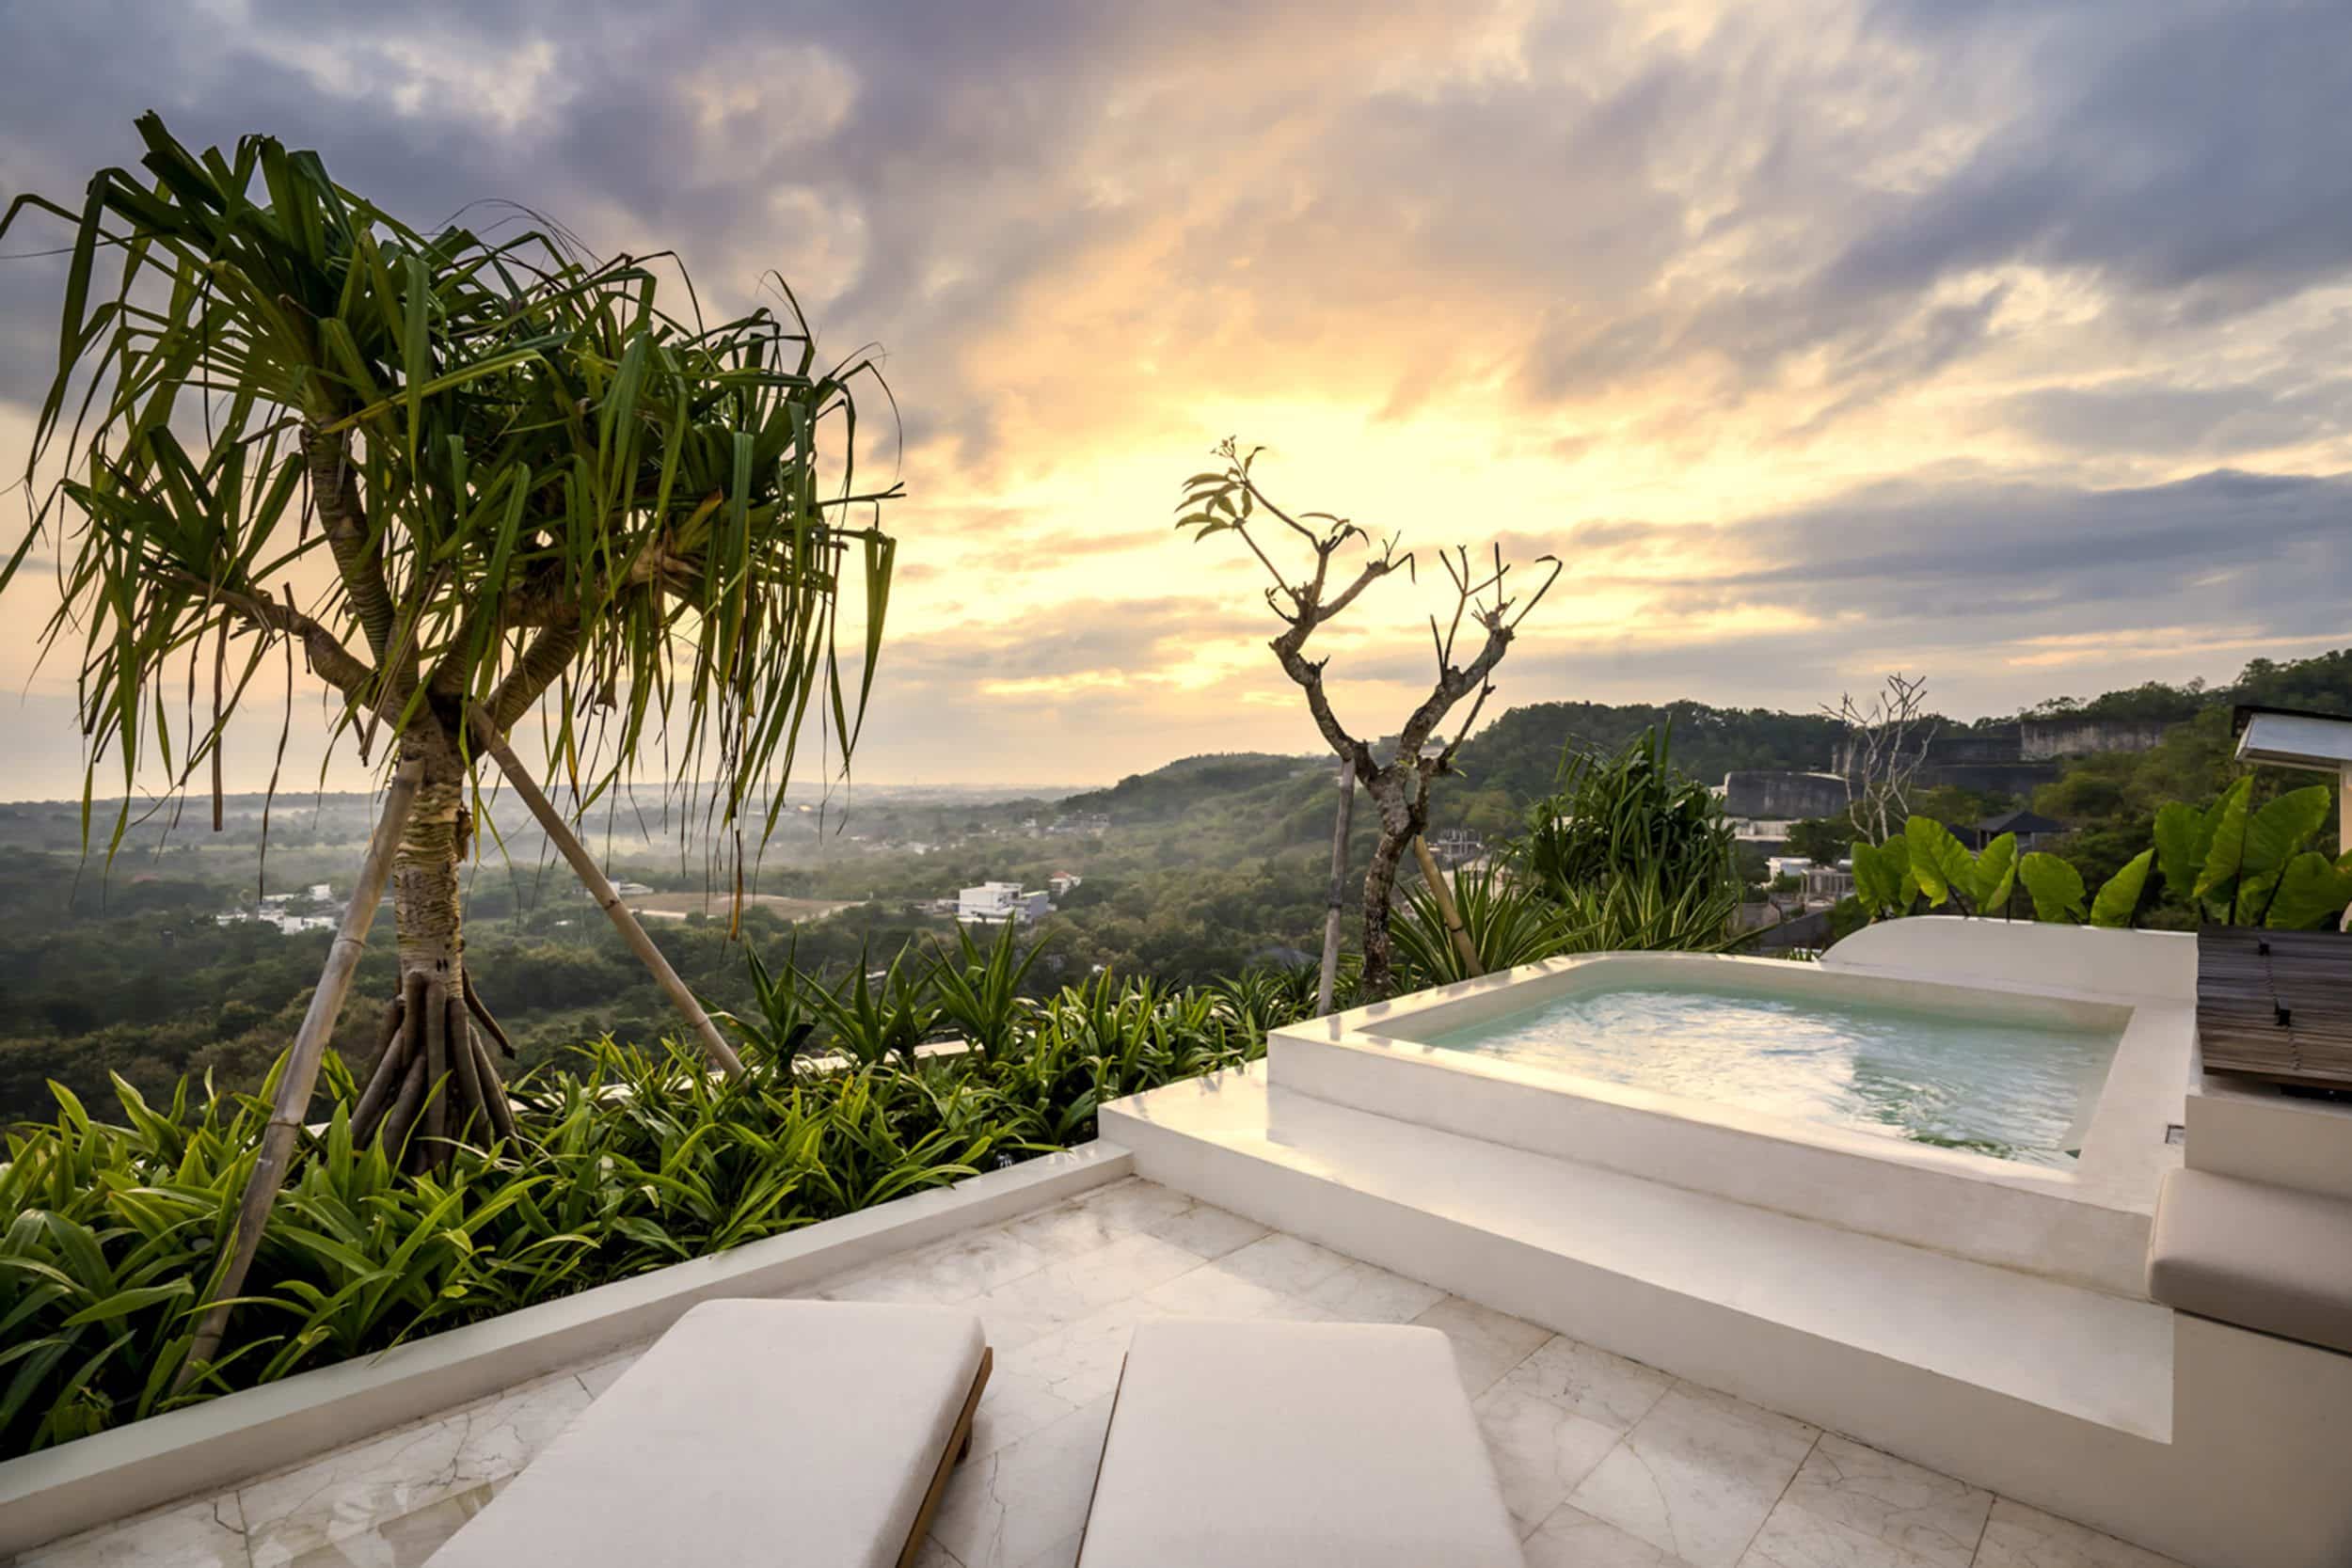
(1751, 1302)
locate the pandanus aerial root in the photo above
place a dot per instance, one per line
(435, 1085)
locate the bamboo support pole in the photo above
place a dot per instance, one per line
(1333, 906)
(1444, 895)
(584, 866)
(301, 1072)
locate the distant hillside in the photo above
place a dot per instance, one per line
(1170, 790)
(1519, 753)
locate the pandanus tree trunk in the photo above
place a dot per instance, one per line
(434, 1083)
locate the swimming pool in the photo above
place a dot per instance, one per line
(2010, 1081)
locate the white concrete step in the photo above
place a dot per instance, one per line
(1873, 1337)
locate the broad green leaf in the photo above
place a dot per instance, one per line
(2056, 887)
(2283, 826)
(1939, 861)
(2312, 891)
(1995, 874)
(2226, 843)
(2118, 900)
(2183, 834)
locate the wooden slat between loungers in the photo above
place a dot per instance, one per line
(2276, 1005)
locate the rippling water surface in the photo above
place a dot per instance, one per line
(2014, 1090)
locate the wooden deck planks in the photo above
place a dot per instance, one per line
(2276, 1005)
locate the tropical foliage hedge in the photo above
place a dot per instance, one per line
(627, 1159)
(2230, 861)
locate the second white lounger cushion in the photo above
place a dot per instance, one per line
(1278, 1444)
(753, 1431)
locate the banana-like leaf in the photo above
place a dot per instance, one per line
(1995, 874)
(1876, 883)
(2284, 827)
(2312, 891)
(2226, 843)
(2183, 834)
(2118, 900)
(1939, 861)
(2055, 887)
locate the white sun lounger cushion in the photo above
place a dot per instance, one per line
(753, 1431)
(1281, 1445)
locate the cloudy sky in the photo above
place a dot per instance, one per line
(2008, 344)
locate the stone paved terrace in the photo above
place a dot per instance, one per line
(1605, 1462)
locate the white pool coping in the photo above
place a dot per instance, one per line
(209, 1447)
(2086, 1224)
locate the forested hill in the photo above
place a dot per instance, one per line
(1519, 753)
(1515, 760)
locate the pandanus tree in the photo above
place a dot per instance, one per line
(467, 479)
(1232, 500)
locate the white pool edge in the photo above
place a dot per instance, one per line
(2086, 1226)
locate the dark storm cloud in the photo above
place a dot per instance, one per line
(1992, 559)
(2194, 151)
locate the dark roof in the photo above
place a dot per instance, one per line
(2020, 822)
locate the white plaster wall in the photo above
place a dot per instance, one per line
(2135, 966)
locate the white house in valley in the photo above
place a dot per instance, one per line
(993, 903)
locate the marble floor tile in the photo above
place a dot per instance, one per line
(1540, 1448)
(1487, 1343)
(1607, 1389)
(1574, 1539)
(1932, 1516)
(1209, 1291)
(1284, 1264)
(1020, 1503)
(1362, 1293)
(1793, 1537)
(944, 1273)
(1068, 1229)
(1205, 1229)
(1016, 1402)
(1080, 1362)
(1028, 1308)
(1697, 1475)
(351, 1492)
(596, 1376)
(933, 1555)
(1135, 1204)
(407, 1542)
(205, 1535)
(2016, 1536)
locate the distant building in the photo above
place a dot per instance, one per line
(1456, 846)
(995, 903)
(1827, 884)
(1063, 881)
(2032, 829)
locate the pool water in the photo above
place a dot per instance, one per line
(2015, 1090)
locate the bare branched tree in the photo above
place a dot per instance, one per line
(1887, 740)
(1230, 502)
